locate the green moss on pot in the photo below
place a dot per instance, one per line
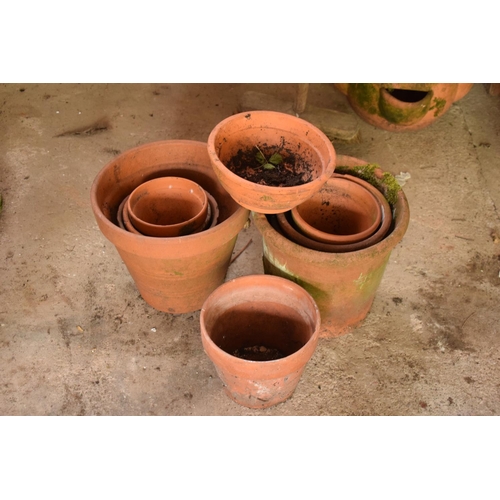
(387, 185)
(365, 95)
(438, 105)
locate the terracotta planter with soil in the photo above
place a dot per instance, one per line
(259, 331)
(342, 211)
(177, 274)
(402, 106)
(342, 284)
(268, 161)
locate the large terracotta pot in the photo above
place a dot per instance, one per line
(266, 129)
(174, 274)
(342, 284)
(402, 106)
(246, 323)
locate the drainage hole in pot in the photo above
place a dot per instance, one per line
(407, 95)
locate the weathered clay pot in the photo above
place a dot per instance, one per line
(259, 313)
(257, 128)
(342, 284)
(402, 106)
(167, 207)
(342, 211)
(177, 274)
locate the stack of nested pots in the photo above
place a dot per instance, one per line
(171, 221)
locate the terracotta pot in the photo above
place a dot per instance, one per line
(342, 284)
(212, 216)
(174, 275)
(123, 215)
(119, 214)
(285, 225)
(402, 106)
(342, 211)
(259, 317)
(214, 212)
(167, 207)
(265, 129)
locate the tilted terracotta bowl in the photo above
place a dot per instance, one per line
(168, 207)
(278, 132)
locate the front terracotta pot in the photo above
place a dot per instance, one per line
(298, 137)
(402, 106)
(342, 284)
(259, 314)
(177, 274)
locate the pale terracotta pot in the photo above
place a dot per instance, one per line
(342, 284)
(246, 130)
(167, 207)
(342, 211)
(402, 106)
(259, 310)
(174, 275)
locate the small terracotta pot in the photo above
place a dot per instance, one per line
(342, 284)
(258, 128)
(259, 313)
(342, 211)
(214, 212)
(174, 275)
(402, 106)
(211, 220)
(167, 207)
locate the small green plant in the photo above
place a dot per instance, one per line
(275, 160)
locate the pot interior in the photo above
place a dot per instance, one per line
(271, 133)
(259, 331)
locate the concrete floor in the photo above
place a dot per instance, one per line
(77, 339)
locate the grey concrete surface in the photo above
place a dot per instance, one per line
(77, 339)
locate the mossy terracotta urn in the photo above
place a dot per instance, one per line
(402, 106)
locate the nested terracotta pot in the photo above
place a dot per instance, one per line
(402, 106)
(342, 284)
(342, 211)
(282, 133)
(259, 331)
(176, 274)
(168, 206)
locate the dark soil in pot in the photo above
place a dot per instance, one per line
(258, 353)
(275, 166)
